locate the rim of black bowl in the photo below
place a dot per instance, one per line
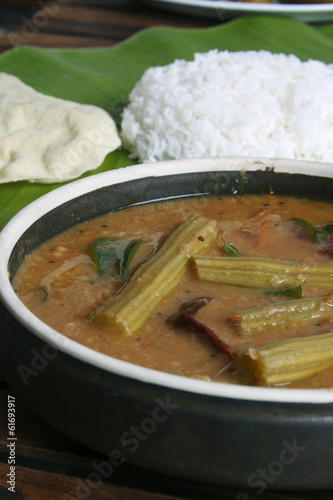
(35, 210)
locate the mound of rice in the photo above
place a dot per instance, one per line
(232, 103)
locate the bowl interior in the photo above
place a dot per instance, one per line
(136, 186)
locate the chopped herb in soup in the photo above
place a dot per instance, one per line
(234, 289)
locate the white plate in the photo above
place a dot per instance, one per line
(228, 9)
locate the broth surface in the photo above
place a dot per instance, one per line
(58, 282)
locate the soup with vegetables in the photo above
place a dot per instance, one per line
(234, 289)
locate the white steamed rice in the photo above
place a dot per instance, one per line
(229, 104)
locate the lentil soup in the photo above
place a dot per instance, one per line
(61, 284)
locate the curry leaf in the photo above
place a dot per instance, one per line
(129, 253)
(295, 291)
(113, 256)
(317, 233)
(310, 229)
(231, 250)
(328, 228)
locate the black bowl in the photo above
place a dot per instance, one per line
(218, 433)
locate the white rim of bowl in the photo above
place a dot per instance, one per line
(32, 212)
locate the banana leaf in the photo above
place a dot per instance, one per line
(104, 77)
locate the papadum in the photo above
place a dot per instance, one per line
(47, 139)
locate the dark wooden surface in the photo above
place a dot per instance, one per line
(48, 464)
(85, 23)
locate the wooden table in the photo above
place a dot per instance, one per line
(85, 23)
(49, 465)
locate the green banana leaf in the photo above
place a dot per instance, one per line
(104, 77)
